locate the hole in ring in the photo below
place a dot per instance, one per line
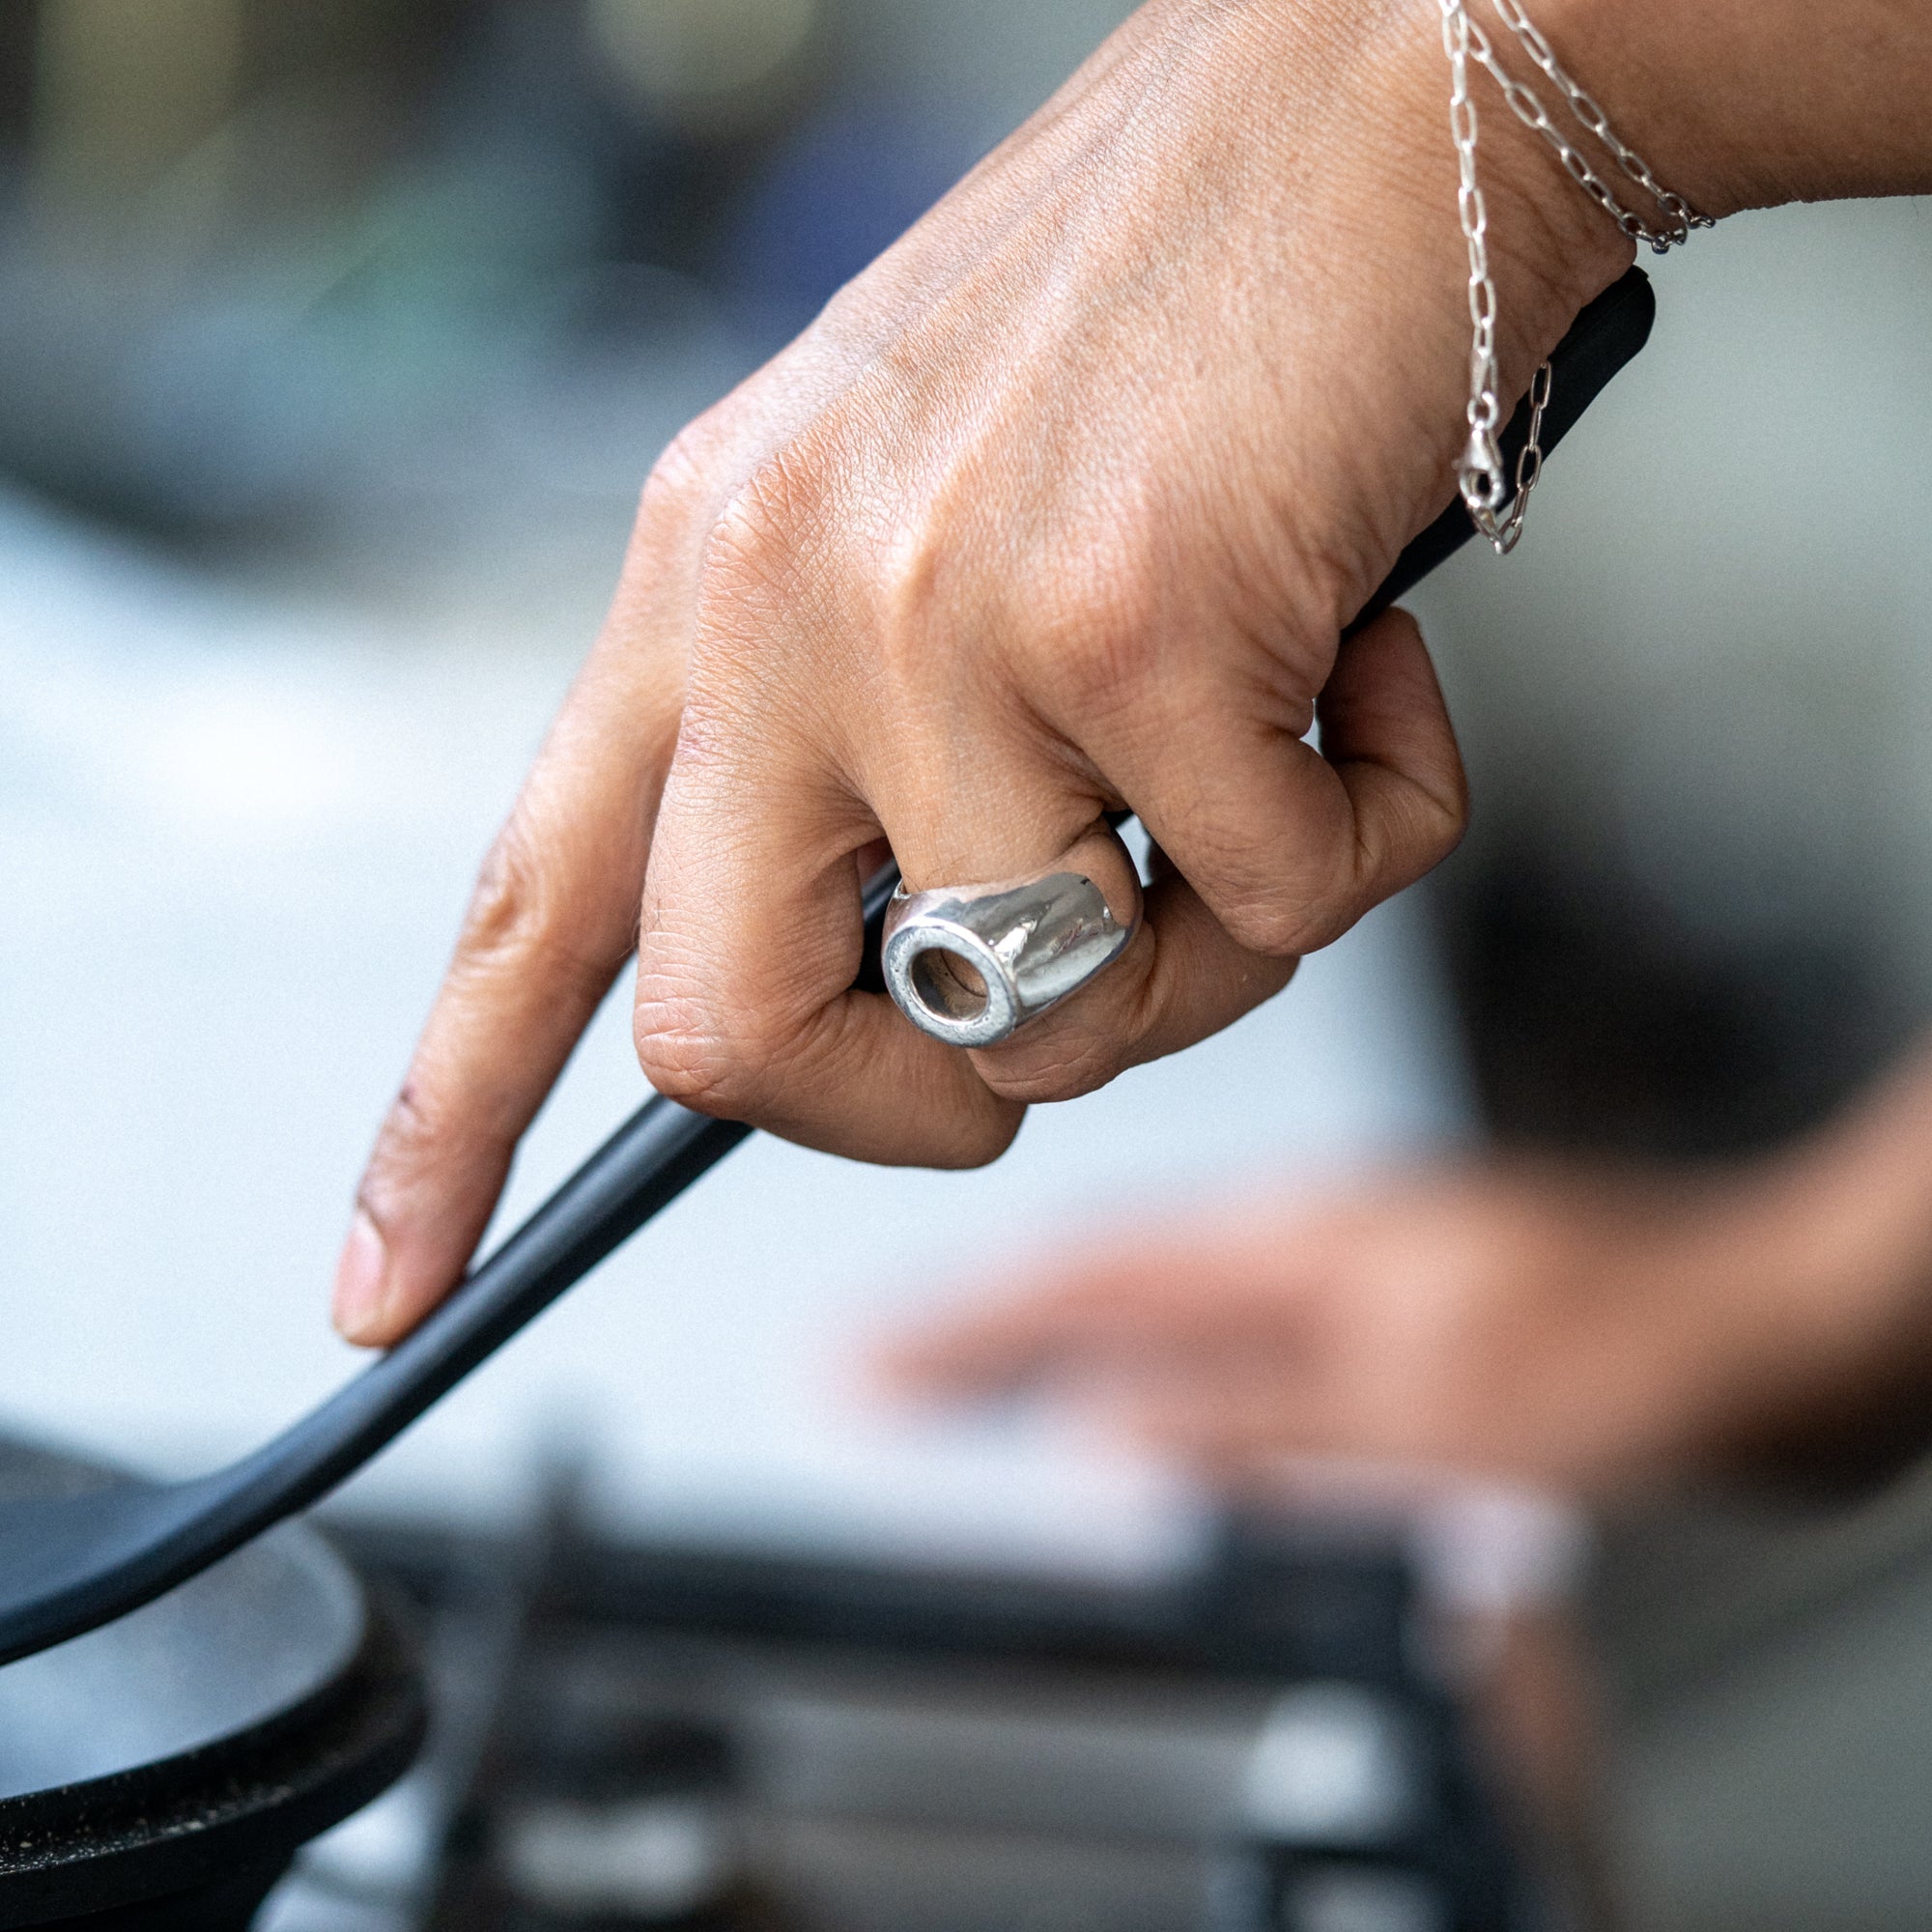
(948, 985)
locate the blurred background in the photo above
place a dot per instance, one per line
(334, 344)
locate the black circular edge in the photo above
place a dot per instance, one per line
(246, 1800)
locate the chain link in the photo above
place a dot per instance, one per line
(1533, 115)
(1683, 217)
(1495, 500)
(1480, 475)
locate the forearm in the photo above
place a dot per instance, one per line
(1861, 1190)
(1829, 1246)
(1750, 103)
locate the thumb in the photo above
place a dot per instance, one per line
(1385, 732)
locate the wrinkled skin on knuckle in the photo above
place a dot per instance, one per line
(506, 905)
(1425, 825)
(730, 496)
(426, 1145)
(709, 1046)
(413, 1130)
(689, 476)
(1441, 821)
(691, 1054)
(1094, 620)
(1278, 919)
(1060, 1066)
(521, 921)
(842, 575)
(907, 568)
(873, 500)
(779, 563)
(680, 478)
(751, 545)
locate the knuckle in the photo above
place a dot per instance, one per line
(506, 907)
(1279, 887)
(1442, 818)
(521, 918)
(768, 526)
(906, 571)
(683, 478)
(691, 1052)
(1278, 919)
(687, 1060)
(425, 1138)
(1060, 1058)
(413, 1129)
(1096, 630)
(1416, 828)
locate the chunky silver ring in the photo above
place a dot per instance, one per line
(973, 965)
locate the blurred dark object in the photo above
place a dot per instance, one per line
(272, 272)
(1675, 929)
(1592, 1029)
(1600, 1022)
(195, 220)
(654, 1737)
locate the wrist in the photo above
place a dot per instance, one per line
(1313, 138)
(1550, 249)
(1750, 103)
(1827, 1322)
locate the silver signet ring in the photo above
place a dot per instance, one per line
(973, 965)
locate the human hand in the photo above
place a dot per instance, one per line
(1059, 508)
(1586, 1331)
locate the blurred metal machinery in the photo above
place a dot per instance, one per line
(660, 1737)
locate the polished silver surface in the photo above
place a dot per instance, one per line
(973, 965)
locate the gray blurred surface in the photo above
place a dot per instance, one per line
(1709, 659)
(1706, 678)
(1771, 1676)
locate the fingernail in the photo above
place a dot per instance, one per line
(360, 1279)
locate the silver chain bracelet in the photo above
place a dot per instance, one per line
(1495, 500)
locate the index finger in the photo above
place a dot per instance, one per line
(553, 919)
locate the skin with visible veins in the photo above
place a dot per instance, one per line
(1058, 508)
